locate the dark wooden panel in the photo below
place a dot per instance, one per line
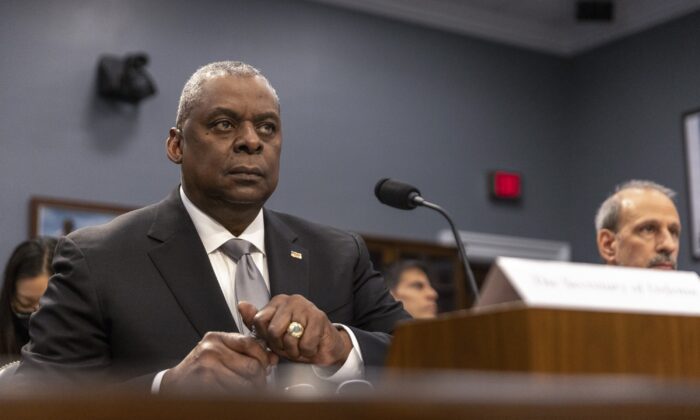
(552, 341)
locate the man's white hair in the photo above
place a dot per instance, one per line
(192, 90)
(608, 216)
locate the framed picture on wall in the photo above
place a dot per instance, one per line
(58, 217)
(691, 131)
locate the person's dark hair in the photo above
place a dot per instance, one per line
(29, 259)
(393, 274)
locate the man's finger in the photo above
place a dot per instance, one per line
(261, 321)
(277, 328)
(232, 380)
(250, 362)
(313, 333)
(248, 311)
(244, 345)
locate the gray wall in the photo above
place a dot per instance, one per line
(362, 98)
(626, 122)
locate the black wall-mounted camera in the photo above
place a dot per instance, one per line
(124, 79)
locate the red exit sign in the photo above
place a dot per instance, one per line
(506, 185)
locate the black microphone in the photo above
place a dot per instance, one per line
(407, 197)
(396, 194)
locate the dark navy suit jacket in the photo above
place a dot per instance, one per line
(134, 296)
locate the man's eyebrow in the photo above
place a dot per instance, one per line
(236, 116)
(267, 116)
(225, 111)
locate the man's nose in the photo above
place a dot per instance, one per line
(432, 294)
(247, 139)
(667, 243)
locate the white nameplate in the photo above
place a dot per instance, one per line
(556, 284)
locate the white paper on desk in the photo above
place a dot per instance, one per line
(591, 286)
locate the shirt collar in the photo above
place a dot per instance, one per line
(213, 234)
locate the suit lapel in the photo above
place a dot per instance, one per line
(287, 259)
(184, 265)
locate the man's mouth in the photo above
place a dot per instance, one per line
(246, 172)
(664, 266)
(662, 263)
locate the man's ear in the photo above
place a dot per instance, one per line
(607, 245)
(173, 145)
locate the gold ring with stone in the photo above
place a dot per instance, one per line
(295, 329)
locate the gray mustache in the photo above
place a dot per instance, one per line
(662, 258)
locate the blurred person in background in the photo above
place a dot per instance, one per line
(639, 226)
(26, 277)
(409, 283)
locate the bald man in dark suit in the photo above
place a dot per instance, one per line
(148, 297)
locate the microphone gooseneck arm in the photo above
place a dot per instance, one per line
(403, 196)
(471, 283)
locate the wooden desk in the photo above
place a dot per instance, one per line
(514, 338)
(423, 396)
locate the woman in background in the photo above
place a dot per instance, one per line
(26, 278)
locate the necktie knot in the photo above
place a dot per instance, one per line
(236, 248)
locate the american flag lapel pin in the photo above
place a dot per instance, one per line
(297, 255)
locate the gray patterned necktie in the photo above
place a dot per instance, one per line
(249, 283)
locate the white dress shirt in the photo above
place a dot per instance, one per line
(213, 235)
